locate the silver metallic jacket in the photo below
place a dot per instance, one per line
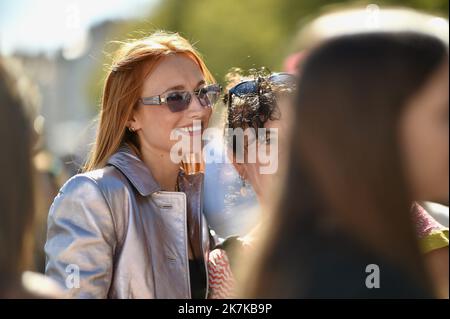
(124, 236)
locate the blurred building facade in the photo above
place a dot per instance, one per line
(63, 79)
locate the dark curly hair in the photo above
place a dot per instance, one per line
(255, 109)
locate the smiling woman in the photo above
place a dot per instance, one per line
(132, 223)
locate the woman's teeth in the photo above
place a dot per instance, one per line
(190, 129)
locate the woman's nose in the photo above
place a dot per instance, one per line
(195, 105)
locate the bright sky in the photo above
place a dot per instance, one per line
(45, 25)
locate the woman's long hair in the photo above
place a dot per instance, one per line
(133, 62)
(346, 169)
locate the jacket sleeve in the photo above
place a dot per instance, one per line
(81, 240)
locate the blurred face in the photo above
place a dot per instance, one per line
(154, 123)
(424, 133)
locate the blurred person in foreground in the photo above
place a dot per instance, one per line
(431, 218)
(17, 204)
(368, 107)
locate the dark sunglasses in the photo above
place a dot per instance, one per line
(253, 86)
(179, 101)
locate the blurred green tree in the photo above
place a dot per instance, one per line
(238, 33)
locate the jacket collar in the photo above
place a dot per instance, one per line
(127, 162)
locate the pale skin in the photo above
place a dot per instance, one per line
(424, 136)
(153, 123)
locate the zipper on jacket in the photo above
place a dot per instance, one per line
(188, 273)
(202, 244)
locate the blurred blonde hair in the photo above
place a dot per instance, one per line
(339, 21)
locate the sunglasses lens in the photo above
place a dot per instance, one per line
(178, 101)
(283, 79)
(248, 87)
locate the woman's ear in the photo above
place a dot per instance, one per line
(133, 122)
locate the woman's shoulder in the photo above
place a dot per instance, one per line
(99, 191)
(104, 179)
(88, 204)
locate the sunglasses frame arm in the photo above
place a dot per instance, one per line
(153, 100)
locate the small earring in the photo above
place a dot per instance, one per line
(243, 189)
(131, 129)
